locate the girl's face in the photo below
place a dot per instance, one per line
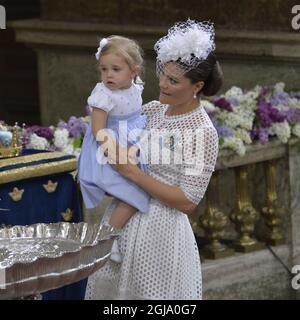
(175, 88)
(115, 72)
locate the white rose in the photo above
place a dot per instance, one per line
(234, 144)
(61, 138)
(234, 92)
(69, 149)
(279, 87)
(296, 130)
(38, 143)
(208, 106)
(282, 130)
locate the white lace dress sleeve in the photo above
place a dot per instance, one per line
(203, 151)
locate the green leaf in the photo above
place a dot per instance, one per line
(77, 143)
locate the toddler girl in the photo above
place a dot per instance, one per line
(116, 111)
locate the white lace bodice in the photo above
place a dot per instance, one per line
(193, 156)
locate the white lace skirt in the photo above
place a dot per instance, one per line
(160, 259)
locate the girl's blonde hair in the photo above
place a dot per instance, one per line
(127, 48)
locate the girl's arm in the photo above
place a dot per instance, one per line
(99, 118)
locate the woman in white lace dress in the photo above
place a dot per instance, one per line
(160, 254)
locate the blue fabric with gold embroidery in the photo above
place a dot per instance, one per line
(39, 206)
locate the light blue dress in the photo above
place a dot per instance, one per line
(96, 176)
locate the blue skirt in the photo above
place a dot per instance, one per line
(97, 178)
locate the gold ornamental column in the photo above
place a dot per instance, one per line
(244, 216)
(214, 222)
(272, 211)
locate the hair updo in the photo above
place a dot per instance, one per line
(210, 72)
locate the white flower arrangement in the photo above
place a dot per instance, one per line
(38, 143)
(234, 93)
(61, 138)
(282, 130)
(240, 118)
(235, 144)
(208, 106)
(243, 135)
(296, 130)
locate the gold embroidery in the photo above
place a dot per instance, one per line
(16, 194)
(31, 158)
(38, 170)
(68, 215)
(50, 187)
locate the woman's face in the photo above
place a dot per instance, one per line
(175, 88)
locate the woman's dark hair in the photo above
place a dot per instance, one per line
(210, 72)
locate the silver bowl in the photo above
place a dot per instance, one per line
(40, 257)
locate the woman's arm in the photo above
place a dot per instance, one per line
(169, 195)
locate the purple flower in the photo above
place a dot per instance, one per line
(76, 127)
(62, 125)
(279, 99)
(234, 101)
(263, 114)
(26, 137)
(261, 134)
(224, 132)
(265, 91)
(223, 104)
(276, 115)
(292, 115)
(267, 114)
(295, 95)
(44, 132)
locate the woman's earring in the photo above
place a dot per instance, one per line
(195, 96)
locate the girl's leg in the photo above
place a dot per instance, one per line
(119, 217)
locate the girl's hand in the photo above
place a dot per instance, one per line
(124, 160)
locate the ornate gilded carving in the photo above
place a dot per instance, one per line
(9, 143)
(214, 222)
(244, 215)
(50, 187)
(272, 211)
(68, 215)
(16, 194)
